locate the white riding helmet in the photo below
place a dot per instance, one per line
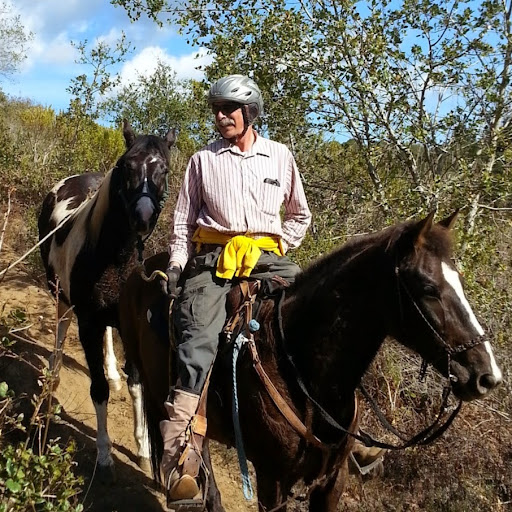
(238, 88)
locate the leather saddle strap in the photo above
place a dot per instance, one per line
(280, 402)
(249, 292)
(191, 457)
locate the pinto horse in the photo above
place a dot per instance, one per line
(315, 344)
(92, 226)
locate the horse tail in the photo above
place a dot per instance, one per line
(153, 415)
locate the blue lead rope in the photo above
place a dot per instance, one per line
(242, 459)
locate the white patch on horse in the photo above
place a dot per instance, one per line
(103, 443)
(154, 159)
(100, 210)
(453, 279)
(140, 430)
(62, 258)
(495, 368)
(113, 376)
(61, 211)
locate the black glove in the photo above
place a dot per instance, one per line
(170, 287)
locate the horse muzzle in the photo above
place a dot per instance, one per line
(144, 216)
(475, 373)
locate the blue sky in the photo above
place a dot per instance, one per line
(50, 63)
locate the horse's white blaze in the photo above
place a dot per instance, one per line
(140, 430)
(453, 279)
(103, 443)
(113, 375)
(496, 372)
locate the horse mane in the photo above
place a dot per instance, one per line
(392, 243)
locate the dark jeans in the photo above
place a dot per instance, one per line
(200, 313)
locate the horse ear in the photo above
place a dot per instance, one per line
(449, 221)
(170, 137)
(422, 228)
(412, 236)
(128, 133)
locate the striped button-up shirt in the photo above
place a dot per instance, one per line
(235, 192)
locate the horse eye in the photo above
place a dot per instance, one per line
(431, 291)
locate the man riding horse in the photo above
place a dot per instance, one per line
(227, 226)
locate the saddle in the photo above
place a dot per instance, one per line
(244, 300)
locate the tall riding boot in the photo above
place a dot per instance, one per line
(180, 411)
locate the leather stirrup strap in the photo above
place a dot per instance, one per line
(191, 458)
(280, 402)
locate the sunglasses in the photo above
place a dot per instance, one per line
(225, 108)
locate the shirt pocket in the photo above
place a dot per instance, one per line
(271, 195)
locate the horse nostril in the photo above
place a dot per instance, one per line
(487, 381)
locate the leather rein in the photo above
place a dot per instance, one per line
(286, 411)
(425, 436)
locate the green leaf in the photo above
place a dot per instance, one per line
(4, 388)
(13, 486)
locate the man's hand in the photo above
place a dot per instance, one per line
(170, 287)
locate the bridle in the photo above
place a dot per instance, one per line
(143, 191)
(427, 435)
(450, 351)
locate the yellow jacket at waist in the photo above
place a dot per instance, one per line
(240, 253)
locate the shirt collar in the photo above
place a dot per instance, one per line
(260, 147)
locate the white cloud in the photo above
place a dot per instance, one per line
(58, 51)
(55, 16)
(111, 37)
(146, 61)
(51, 59)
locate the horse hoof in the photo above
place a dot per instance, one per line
(115, 385)
(144, 464)
(106, 474)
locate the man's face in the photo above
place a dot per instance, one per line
(229, 119)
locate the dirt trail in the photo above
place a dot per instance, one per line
(134, 489)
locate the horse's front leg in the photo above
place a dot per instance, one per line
(91, 337)
(271, 493)
(140, 431)
(327, 497)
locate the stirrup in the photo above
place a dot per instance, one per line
(195, 504)
(184, 487)
(186, 506)
(373, 462)
(188, 484)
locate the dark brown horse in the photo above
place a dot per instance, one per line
(399, 282)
